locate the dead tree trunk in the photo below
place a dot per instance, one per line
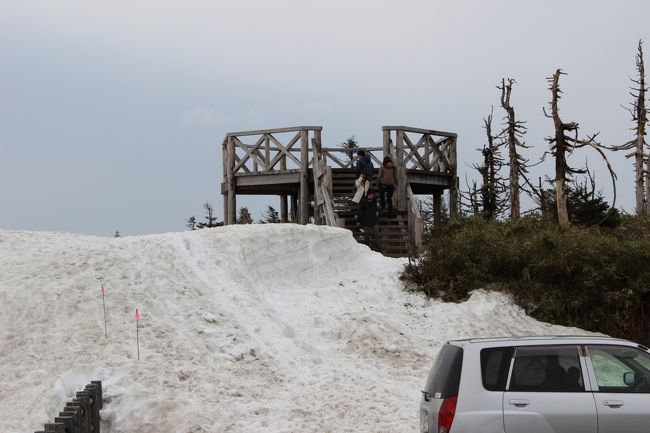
(490, 196)
(638, 144)
(514, 129)
(493, 188)
(639, 115)
(559, 148)
(562, 145)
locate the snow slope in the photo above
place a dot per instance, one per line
(262, 328)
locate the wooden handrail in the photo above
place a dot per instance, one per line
(415, 220)
(274, 131)
(420, 131)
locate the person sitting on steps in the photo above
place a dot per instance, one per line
(387, 183)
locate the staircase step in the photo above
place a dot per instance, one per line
(393, 235)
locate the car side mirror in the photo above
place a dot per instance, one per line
(629, 379)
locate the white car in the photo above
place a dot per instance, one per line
(550, 384)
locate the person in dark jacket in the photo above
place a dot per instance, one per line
(387, 181)
(367, 217)
(364, 165)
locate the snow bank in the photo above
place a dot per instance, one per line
(264, 328)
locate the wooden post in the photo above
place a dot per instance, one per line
(437, 209)
(387, 142)
(317, 142)
(319, 216)
(284, 208)
(453, 188)
(294, 208)
(232, 191)
(95, 405)
(402, 179)
(67, 421)
(283, 164)
(82, 398)
(304, 175)
(314, 162)
(73, 412)
(267, 153)
(224, 161)
(427, 152)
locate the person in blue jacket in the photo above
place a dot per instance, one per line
(364, 165)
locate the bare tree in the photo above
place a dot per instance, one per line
(493, 188)
(563, 145)
(512, 134)
(638, 144)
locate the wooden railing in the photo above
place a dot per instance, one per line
(271, 151)
(336, 154)
(323, 191)
(427, 150)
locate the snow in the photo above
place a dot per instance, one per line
(261, 328)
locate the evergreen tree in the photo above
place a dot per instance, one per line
(190, 223)
(244, 216)
(210, 219)
(350, 145)
(270, 216)
(586, 207)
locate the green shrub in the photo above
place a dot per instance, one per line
(596, 279)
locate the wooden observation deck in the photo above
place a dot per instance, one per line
(315, 183)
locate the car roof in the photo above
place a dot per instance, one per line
(546, 339)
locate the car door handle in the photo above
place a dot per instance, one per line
(613, 403)
(519, 402)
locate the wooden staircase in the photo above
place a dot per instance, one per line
(394, 236)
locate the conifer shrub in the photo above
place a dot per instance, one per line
(595, 279)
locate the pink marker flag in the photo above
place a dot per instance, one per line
(137, 315)
(103, 290)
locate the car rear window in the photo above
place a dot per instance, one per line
(495, 363)
(444, 378)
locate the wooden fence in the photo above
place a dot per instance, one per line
(81, 414)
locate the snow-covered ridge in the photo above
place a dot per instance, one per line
(263, 328)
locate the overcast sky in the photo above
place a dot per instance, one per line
(112, 114)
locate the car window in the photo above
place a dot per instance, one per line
(644, 361)
(444, 378)
(495, 363)
(547, 369)
(620, 369)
